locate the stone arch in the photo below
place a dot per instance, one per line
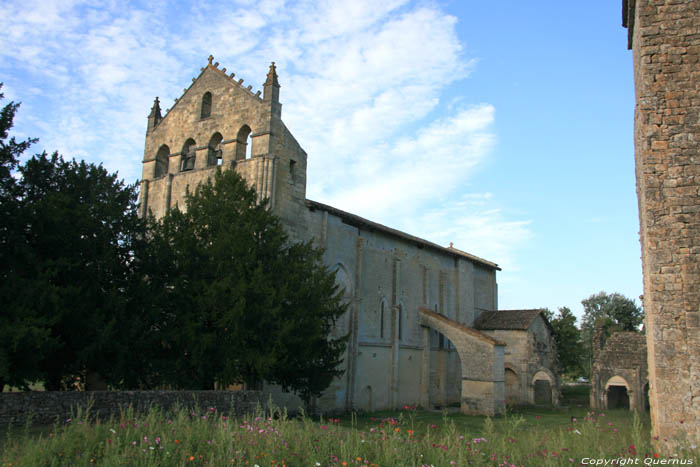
(618, 393)
(512, 385)
(188, 155)
(206, 105)
(162, 161)
(214, 152)
(482, 390)
(543, 387)
(244, 143)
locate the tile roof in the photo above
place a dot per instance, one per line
(507, 319)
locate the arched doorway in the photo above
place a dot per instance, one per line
(617, 393)
(543, 388)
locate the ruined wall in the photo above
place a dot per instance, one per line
(45, 407)
(620, 360)
(665, 38)
(530, 355)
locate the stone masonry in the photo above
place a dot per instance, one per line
(665, 38)
(412, 304)
(619, 361)
(46, 407)
(531, 367)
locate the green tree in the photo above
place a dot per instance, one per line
(614, 311)
(568, 339)
(73, 269)
(239, 302)
(23, 335)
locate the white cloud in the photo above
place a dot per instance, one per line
(362, 86)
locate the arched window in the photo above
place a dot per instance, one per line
(206, 105)
(214, 150)
(162, 158)
(400, 320)
(187, 159)
(243, 143)
(381, 320)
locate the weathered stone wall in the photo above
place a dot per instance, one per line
(387, 275)
(387, 280)
(622, 356)
(47, 407)
(665, 38)
(276, 165)
(530, 356)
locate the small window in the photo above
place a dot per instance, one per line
(188, 157)
(243, 143)
(381, 320)
(214, 152)
(206, 105)
(162, 161)
(400, 319)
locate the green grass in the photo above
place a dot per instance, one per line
(526, 436)
(575, 395)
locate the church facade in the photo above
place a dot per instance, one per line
(412, 303)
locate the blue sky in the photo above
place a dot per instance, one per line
(506, 129)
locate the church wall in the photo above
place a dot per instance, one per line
(383, 368)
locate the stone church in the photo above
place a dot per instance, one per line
(412, 303)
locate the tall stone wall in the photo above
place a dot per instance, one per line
(665, 38)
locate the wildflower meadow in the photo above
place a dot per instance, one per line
(410, 437)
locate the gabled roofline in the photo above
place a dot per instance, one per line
(213, 66)
(361, 222)
(532, 320)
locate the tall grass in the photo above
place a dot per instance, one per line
(205, 437)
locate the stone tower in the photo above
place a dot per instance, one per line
(665, 38)
(219, 123)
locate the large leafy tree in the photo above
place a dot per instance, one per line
(614, 312)
(568, 339)
(238, 301)
(24, 337)
(80, 230)
(69, 270)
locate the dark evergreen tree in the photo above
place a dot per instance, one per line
(568, 339)
(80, 227)
(238, 301)
(24, 336)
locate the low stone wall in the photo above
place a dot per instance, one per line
(47, 407)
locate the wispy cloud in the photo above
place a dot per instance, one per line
(363, 86)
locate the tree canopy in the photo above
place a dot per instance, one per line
(614, 311)
(214, 293)
(568, 339)
(237, 302)
(67, 256)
